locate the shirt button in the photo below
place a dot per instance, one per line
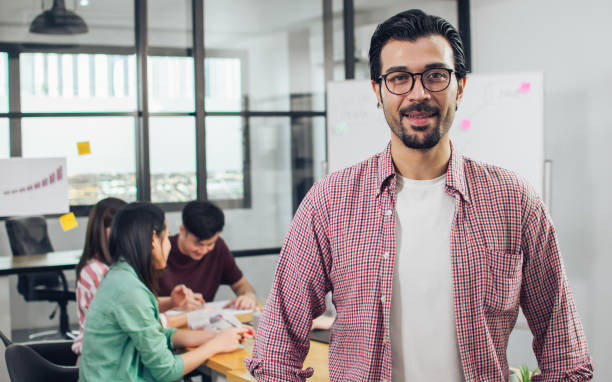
(385, 341)
(388, 212)
(385, 380)
(386, 255)
(383, 299)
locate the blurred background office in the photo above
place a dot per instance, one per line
(225, 100)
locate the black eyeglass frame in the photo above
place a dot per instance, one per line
(383, 78)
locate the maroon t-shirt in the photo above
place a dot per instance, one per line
(202, 276)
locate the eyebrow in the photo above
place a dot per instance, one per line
(402, 68)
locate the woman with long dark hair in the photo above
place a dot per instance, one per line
(123, 338)
(95, 259)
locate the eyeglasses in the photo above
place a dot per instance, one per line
(434, 80)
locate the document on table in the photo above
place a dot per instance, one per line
(212, 316)
(218, 305)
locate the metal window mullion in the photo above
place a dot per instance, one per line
(197, 14)
(14, 87)
(349, 39)
(463, 12)
(143, 174)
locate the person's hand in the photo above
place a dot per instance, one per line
(243, 302)
(184, 298)
(228, 339)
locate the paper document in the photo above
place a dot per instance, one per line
(218, 305)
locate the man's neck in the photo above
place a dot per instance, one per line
(419, 164)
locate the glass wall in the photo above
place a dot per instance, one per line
(261, 135)
(369, 14)
(57, 83)
(282, 48)
(110, 168)
(4, 105)
(173, 159)
(4, 138)
(4, 122)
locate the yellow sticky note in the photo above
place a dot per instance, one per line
(68, 221)
(84, 148)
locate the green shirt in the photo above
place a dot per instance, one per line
(123, 338)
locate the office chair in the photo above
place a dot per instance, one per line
(29, 236)
(40, 361)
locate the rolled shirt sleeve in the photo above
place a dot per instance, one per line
(559, 342)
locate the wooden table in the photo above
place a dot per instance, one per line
(232, 364)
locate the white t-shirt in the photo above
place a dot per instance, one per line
(423, 335)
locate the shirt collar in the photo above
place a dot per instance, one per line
(386, 169)
(455, 179)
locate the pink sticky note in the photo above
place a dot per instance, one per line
(525, 87)
(466, 124)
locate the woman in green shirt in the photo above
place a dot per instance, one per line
(123, 339)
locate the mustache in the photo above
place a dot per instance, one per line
(419, 108)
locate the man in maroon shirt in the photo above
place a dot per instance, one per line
(201, 260)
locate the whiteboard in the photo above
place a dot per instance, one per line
(33, 186)
(499, 121)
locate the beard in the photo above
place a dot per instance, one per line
(415, 141)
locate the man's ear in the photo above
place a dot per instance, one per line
(182, 230)
(376, 89)
(460, 88)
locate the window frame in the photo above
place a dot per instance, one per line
(15, 115)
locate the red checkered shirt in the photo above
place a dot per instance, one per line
(504, 253)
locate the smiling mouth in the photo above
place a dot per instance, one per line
(419, 119)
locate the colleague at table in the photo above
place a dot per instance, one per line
(201, 260)
(123, 338)
(94, 264)
(95, 259)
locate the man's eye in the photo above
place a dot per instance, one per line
(399, 78)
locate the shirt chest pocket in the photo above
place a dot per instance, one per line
(502, 276)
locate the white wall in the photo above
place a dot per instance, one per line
(569, 42)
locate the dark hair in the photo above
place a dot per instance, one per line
(203, 219)
(409, 26)
(131, 239)
(96, 241)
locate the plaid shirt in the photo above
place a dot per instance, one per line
(504, 253)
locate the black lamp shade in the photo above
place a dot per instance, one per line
(58, 20)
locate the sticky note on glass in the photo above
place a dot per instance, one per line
(84, 148)
(466, 124)
(68, 221)
(525, 87)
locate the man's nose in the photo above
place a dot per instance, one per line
(418, 92)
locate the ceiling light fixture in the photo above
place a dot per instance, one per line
(58, 20)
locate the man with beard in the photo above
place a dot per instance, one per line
(429, 254)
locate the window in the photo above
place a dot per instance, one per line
(171, 84)
(4, 138)
(3, 83)
(77, 82)
(259, 129)
(173, 159)
(225, 158)
(4, 122)
(284, 45)
(110, 168)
